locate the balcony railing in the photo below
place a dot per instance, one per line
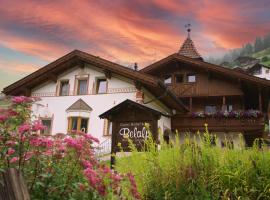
(184, 89)
(189, 123)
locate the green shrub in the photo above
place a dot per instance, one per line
(194, 169)
(265, 59)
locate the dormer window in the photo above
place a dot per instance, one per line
(101, 86)
(191, 78)
(168, 79)
(64, 88)
(82, 86)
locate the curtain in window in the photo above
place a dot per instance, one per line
(82, 88)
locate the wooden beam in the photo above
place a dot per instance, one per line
(190, 104)
(26, 92)
(53, 78)
(108, 74)
(223, 100)
(260, 99)
(138, 85)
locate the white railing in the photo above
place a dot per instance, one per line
(104, 148)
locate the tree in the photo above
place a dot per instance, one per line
(258, 45)
(266, 41)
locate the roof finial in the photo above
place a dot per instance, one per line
(187, 26)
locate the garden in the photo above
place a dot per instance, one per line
(65, 166)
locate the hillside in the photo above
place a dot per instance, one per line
(263, 56)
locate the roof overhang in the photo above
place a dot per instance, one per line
(206, 66)
(79, 58)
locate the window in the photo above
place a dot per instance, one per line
(101, 86)
(168, 79)
(64, 88)
(179, 78)
(267, 71)
(78, 124)
(107, 127)
(82, 86)
(191, 78)
(210, 109)
(48, 126)
(229, 108)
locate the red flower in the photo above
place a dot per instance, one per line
(14, 159)
(24, 128)
(10, 151)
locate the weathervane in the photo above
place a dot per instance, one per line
(187, 26)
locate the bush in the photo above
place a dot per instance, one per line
(195, 169)
(56, 167)
(265, 59)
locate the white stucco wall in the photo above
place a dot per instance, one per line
(119, 89)
(265, 73)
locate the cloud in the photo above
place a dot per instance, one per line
(128, 31)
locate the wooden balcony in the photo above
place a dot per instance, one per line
(184, 89)
(189, 123)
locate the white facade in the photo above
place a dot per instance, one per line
(264, 72)
(54, 107)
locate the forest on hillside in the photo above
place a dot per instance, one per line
(259, 48)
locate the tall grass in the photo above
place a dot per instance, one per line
(194, 169)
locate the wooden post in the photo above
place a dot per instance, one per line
(190, 104)
(260, 99)
(14, 187)
(223, 100)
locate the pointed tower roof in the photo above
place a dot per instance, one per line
(188, 48)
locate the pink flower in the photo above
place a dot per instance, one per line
(3, 118)
(76, 143)
(41, 142)
(10, 151)
(12, 113)
(37, 125)
(11, 143)
(28, 155)
(48, 153)
(24, 128)
(14, 159)
(22, 99)
(90, 138)
(87, 164)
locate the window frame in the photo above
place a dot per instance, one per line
(98, 80)
(189, 75)
(78, 86)
(60, 87)
(47, 119)
(107, 131)
(79, 121)
(167, 77)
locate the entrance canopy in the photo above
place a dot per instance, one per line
(127, 105)
(132, 121)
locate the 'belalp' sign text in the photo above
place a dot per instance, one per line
(133, 130)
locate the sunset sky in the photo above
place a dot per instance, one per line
(34, 33)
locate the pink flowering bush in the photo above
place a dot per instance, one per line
(60, 166)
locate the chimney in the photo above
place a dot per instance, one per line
(135, 67)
